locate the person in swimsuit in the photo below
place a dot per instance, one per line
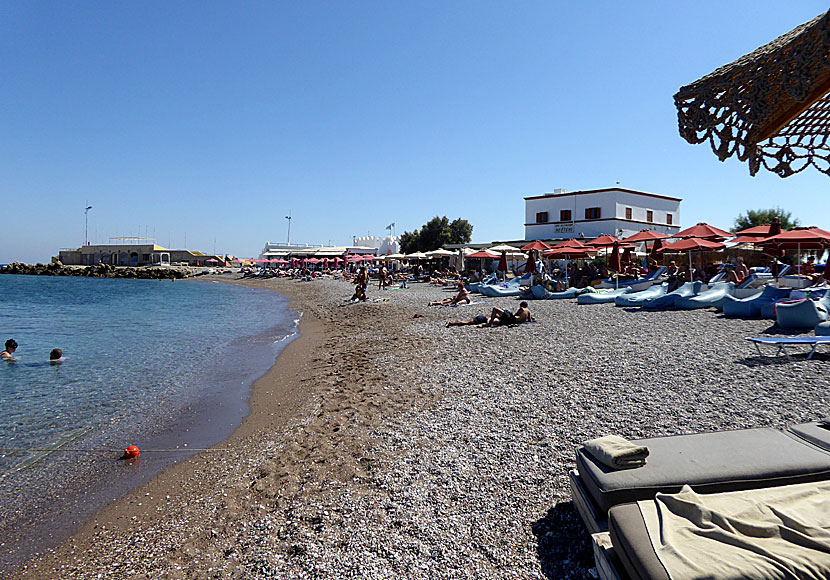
(501, 317)
(462, 296)
(56, 355)
(11, 346)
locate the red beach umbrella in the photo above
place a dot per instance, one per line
(571, 243)
(614, 260)
(568, 253)
(810, 238)
(604, 241)
(482, 254)
(536, 245)
(656, 249)
(693, 245)
(703, 230)
(530, 265)
(645, 236)
(626, 257)
(762, 231)
(503, 262)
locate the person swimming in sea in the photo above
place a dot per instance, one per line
(11, 346)
(56, 356)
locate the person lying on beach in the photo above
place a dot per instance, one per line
(501, 317)
(479, 320)
(11, 346)
(462, 296)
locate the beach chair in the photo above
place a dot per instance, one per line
(639, 283)
(637, 298)
(764, 534)
(708, 462)
(802, 314)
(751, 306)
(782, 342)
(601, 296)
(712, 298)
(685, 290)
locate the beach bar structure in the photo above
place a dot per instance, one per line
(592, 213)
(133, 255)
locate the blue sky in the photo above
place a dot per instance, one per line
(213, 120)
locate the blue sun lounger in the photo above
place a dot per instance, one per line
(784, 341)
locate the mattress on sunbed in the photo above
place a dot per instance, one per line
(709, 462)
(814, 432)
(763, 533)
(633, 547)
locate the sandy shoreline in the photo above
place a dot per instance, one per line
(384, 446)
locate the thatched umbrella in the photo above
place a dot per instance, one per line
(770, 107)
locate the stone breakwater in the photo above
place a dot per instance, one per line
(97, 271)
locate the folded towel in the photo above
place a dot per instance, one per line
(617, 452)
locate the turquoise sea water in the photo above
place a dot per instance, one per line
(156, 364)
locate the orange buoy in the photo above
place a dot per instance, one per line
(131, 452)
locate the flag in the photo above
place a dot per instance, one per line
(390, 226)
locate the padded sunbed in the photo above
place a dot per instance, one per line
(772, 533)
(601, 296)
(637, 298)
(499, 290)
(709, 462)
(685, 290)
(652, 277)
(541, 293)
(713, 297)
(752, 306)
(802, 314)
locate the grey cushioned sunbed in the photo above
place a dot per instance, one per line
(709, 463)
(632, 544)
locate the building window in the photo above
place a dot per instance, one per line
(668, 218)
(592, 213)
(649, 216)
(628, 213)
(145, 257)
(564, 215)
(542, 217)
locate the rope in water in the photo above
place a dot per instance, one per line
(20, 449)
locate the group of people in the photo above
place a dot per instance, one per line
(7, 355)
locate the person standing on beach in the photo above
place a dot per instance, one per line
(11, 346)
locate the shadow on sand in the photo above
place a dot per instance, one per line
(563, 544)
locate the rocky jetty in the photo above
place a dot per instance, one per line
(98, 271)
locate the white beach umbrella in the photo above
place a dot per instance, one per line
(416, 256)
(439, 253)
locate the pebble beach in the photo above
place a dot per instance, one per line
(384, 445)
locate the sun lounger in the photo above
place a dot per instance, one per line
(761, 534)
(802, 314)
(601, 296)
(709, 462)
(686, 290)
(496, 291)
(541, 293)
(747, 307)
(652, 277)
(782, 342)
(637, 298)
(755, 280)
(712, 298)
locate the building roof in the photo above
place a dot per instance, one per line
(604, 190)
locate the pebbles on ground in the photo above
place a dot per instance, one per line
(433, 452)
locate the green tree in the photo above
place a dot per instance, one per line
(437, 232)
(409, 241)
(759, 217)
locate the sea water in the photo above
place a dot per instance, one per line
(158, 364)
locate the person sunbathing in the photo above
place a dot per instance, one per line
(501, 317)
(462, 296)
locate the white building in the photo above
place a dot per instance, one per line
(383, 246)
(592, 213)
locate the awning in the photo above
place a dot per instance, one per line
(770, 107)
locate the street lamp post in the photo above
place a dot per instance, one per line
(288, 217)
(86, 224)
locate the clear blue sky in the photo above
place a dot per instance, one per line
(213, 120)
